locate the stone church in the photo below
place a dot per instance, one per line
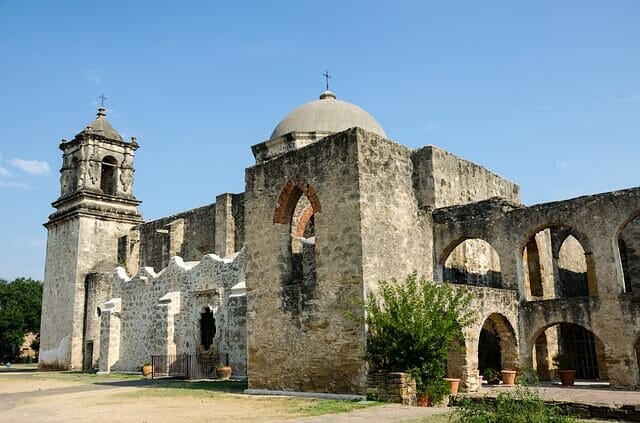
(266, 277)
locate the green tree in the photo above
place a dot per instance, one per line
(20, 306)
(411, 325)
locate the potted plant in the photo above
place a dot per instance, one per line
(429, 391)
(223, 372)
(147, 368)
(566, 364)
(508, 377)
(454, 384)
(492, 376)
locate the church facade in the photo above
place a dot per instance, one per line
(267, 277)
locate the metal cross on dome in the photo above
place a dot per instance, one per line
(327, 77)
(102, 99)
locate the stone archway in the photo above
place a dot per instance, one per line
(497, 345)
(558, 263)
(473, 262)
(573, 339)
(629, 249)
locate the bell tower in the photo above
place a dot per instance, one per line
(96, 206)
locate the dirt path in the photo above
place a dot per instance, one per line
(43, 398)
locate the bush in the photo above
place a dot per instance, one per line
(520, 406)
(411, 327)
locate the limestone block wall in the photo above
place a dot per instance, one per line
(629, 244)
(98, 291)
(441, 179)
(160, 312)
(309, 345)
(215, 228)
(75, 246)
(396, 236)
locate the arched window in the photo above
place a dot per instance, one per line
(297, 207)
(557, 265)
(473, 262)
(629, 247)
(73, 179)
(207, 328)
(108, 175)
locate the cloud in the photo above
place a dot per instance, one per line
(32, 167)
(561, 165)
(4, 172)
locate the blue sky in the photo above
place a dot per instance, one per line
(545, 93)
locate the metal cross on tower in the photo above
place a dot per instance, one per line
(327, 77)
(102, 99)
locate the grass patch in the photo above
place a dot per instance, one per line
(85, 377)
(317, 407)
(202, 389)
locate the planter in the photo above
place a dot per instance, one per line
(424, 400)
(567, 377)
(223, 373)
(147, 370)
(480, 382)
(455, 383)
(509, 377)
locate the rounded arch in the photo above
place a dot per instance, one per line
(557, 261)
(289, 196)
(565, 337)
(497, 344)
(628, 244)
(108, 175)
(564, 229)
(472, 261)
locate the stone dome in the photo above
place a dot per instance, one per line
(327, 115)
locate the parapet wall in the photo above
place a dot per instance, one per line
(159, 313)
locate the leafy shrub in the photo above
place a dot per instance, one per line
(411, 327)
(519, 406)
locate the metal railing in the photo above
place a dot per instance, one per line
(186, 366)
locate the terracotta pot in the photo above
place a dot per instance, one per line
(147, 370)
(567, 377)
(424, 400)
(223, 373)
(455, 383)
(509, 377)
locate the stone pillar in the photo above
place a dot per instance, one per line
(176, 237)
(110, 334)
(225, 225)
(167, 307)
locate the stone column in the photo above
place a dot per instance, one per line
(167, 307)
(225, 225)
(110, 334)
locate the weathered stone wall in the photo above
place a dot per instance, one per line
(441, 179)
(595, 221)
(160, 313)
(313, 346)
(75, 247)
(194, 228)
(393, 387)
(98, 291)
(396, 236)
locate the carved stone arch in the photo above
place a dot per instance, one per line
(589, 349)
(289, 196)
(471, 261)
(628, 244)
(497, 343)
(109, 175)
(542, 265)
